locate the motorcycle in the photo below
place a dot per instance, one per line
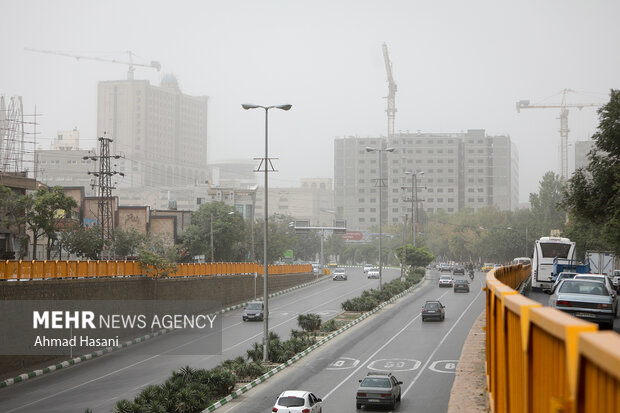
(471, 274)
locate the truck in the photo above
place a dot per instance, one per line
(601, 262)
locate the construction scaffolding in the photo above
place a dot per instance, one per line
(17, 141)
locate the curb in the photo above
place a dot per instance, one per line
(282, 366)
(99, 353)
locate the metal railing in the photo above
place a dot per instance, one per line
(49, 270)
(539, 359)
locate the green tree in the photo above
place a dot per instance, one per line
(593, 194)
(11, 216)
(127, 243)
(415, 257)
(41, 213)
(281, 237)
(307, 246)
(85, 242)
(228, 232)
(546, 204)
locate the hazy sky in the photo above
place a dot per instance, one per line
(458, 64)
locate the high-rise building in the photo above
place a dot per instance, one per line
(582, 148)
(160, 132)
(66, 140)
(453, 171)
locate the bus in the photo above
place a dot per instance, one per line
(521, 260)
(546, 250)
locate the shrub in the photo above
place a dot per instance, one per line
(329, 326)
(309, 322)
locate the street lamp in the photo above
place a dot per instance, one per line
(247, 106)
(369, 149)
(414, 202)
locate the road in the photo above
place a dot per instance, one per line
(422, 355)
(99, 383)
(544, 300)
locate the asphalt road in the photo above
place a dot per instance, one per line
(544, 300)
(423, 356)
(99, 383)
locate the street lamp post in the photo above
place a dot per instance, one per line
(369, 149)
(266, 162)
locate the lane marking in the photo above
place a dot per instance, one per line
(395, 365)
(449, 366)
(160, 354)
(440, 343)
(343, 363)
(374, 354)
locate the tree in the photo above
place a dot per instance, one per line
(593, 193)
(281, 237)
(41, 213)
(228, 232)
(11, 216)
(83, 241)
(546, 205)
(415, 257)
(127, 243)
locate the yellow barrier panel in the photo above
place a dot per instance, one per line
(599, 373)
(29, 270)
(540, 359)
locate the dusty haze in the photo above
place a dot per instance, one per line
(458, 64)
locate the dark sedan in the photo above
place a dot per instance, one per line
(461, 285)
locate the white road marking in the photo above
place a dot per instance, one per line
(449, 368)
(374, 354)
(440, 343)
(157, 355)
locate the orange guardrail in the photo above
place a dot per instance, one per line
(539, 359)
(49, 270)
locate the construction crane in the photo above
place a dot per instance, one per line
(525, 104)
(154, 64)
(391, 97)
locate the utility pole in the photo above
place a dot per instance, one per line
(105, 202)
(404, 257)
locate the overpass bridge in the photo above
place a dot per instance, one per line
(539, 359)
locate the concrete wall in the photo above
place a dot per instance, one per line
(229, 290)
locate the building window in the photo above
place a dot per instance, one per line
(361, 209)
(373, 209)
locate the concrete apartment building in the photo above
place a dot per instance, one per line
(64, 163)
(161, 132)
(459, 170)
(582, 148)
(313, 200)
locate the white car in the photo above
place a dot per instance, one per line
(373, 272)
(446, 281)
(297, 401)
(615, 280)
(339, 274)
(367, 268)
(605, 280)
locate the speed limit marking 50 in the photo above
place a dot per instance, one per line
(444, 366)
(394, 365)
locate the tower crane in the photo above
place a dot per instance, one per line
(525, 104)
(391, 97)
(154, 64)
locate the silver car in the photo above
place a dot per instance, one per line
(586, 299)
(602, 278)
(378, 389)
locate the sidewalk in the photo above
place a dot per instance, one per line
(469, 391)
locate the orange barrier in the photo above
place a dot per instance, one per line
(539, 359)
(48, 270)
